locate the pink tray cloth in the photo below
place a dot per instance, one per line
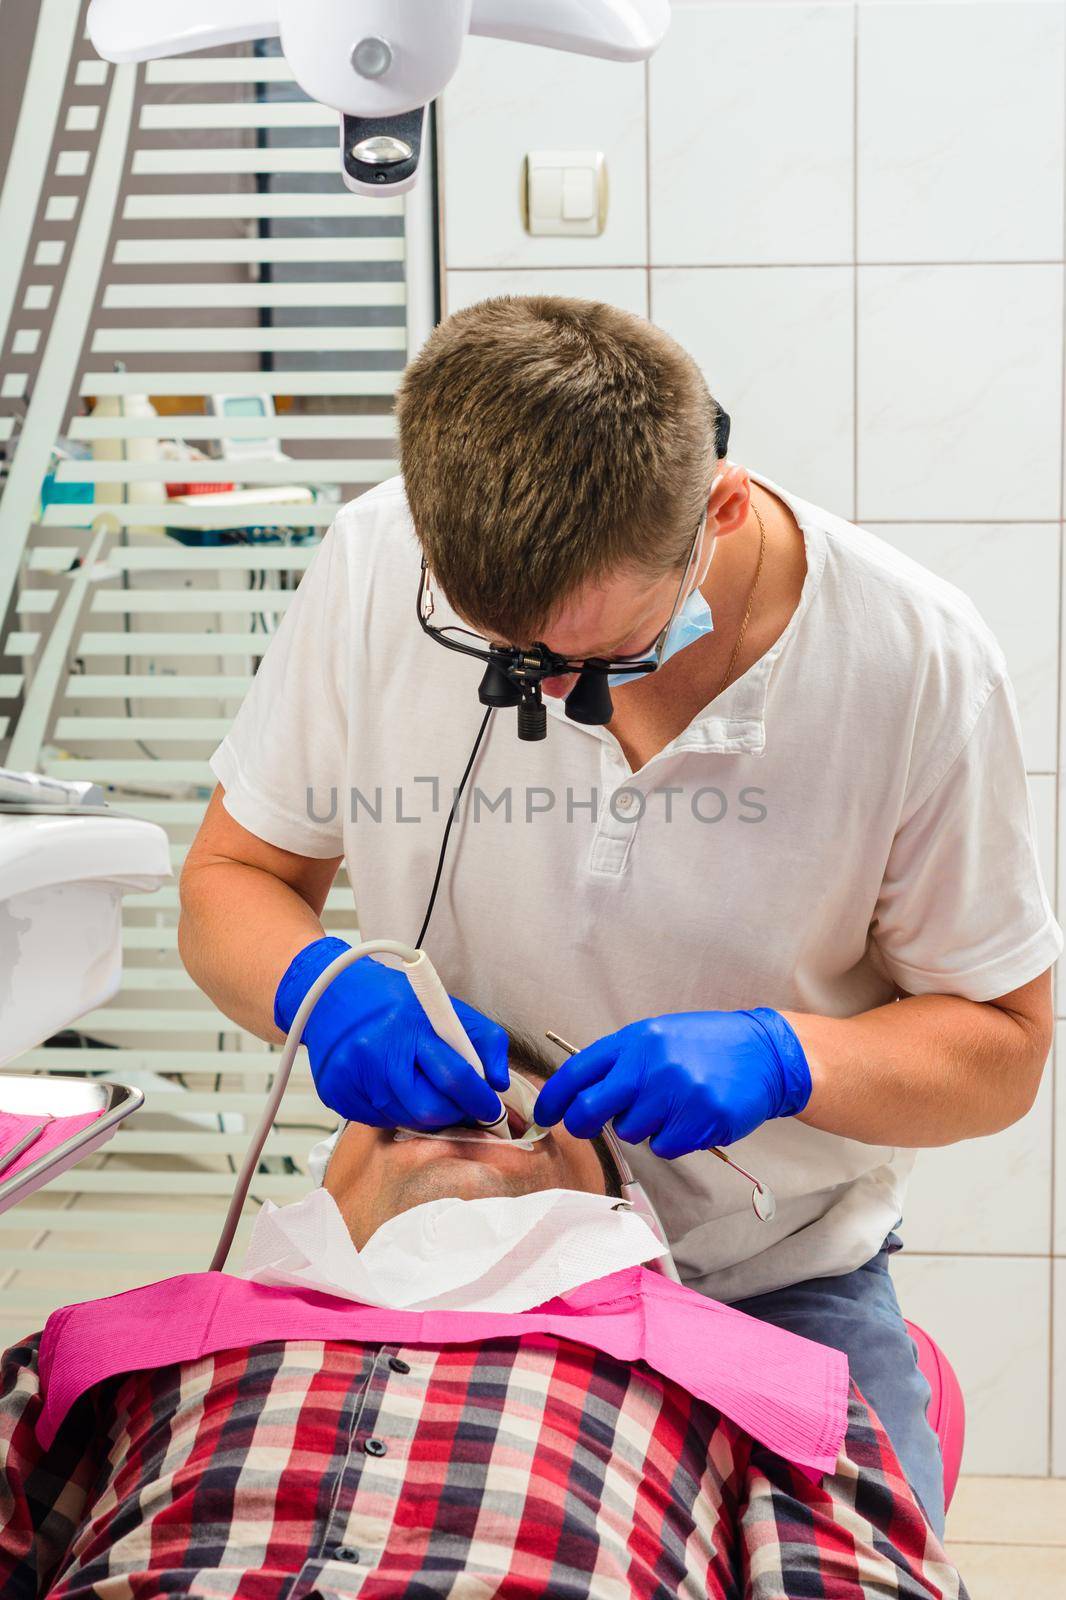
(15, 1126)
(788, 1393)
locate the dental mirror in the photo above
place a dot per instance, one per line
(763, 1202)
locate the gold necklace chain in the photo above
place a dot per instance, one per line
(751, 602)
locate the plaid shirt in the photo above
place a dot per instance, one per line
(301, 1468)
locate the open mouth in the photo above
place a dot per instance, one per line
(518, 1100)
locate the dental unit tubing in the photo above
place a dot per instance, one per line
(435, 1002)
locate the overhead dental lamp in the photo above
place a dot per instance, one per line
(377, 62)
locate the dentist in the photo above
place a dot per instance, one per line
(787, 894)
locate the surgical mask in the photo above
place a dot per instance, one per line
(691, 623)
(694, 619)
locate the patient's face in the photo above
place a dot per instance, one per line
(374, 1176)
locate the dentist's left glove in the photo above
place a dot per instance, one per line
(374, 1056)
(685, 1081)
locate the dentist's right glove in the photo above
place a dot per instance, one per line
(374, 1055)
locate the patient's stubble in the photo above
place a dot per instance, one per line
(420, 1170)
(373, 1176)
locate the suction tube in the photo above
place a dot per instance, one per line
(435, 1001)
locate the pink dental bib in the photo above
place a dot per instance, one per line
(788, 1393)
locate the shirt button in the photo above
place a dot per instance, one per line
(625, 801)
(397, 1365)
(344, 1552)
(375, 1447)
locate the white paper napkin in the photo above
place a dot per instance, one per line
(487, 1255)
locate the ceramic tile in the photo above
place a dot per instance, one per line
(776, 345)
(1008, 1511)
(960, 393)
(991, 1317)
(619, 286)
(985, 1195)
(750, 116)
(1010, 1572)
(507, 99)
(942, 150)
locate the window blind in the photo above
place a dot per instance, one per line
(182, 268)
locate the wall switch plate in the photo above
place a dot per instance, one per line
(564, 192)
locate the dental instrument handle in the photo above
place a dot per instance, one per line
(371, 947)
(436, 1002)
(763, 1202)
(9, 1157)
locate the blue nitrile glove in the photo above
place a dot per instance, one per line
(374, 1056)
(685, 1081)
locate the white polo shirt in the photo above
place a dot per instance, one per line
(848, 818)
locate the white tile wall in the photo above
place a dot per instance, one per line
(783, 193)
(959, 382)
(508, 99)
(993, 1315)
(936, 181)
(852, 215)
(955, 1205)
(777, 347)
(619, 286)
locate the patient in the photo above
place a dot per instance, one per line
(307, 1454)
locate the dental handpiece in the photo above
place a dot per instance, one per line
(762, 1198)
(437, 1004)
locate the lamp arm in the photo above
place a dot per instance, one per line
(145, 30)
(616, 30)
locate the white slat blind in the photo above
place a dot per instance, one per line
(189, 238)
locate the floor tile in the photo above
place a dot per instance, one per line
(1011, 1572)
(1008, 1511)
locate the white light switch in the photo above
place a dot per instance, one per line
(566, 192)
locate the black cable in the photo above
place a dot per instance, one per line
(448, 826)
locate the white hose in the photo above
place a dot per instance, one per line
(438, 1007)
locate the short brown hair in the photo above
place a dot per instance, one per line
(546, 442)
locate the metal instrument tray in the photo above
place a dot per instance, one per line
(62, 1097)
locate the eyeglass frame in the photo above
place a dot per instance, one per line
(537, 661)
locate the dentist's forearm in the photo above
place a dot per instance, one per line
(240, 928)
(928, 1069)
